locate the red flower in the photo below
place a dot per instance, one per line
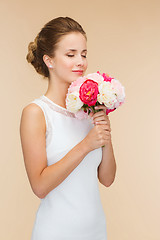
(109, 110)
(88, 92)
(106, 77)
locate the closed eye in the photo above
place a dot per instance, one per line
(73, 56)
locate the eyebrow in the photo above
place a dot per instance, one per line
(74, 50)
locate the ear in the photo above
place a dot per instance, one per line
(48, 61)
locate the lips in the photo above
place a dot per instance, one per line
(79, 72)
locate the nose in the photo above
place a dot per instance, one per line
(80, 61)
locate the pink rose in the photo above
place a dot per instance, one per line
(74, 86)
(88, 92)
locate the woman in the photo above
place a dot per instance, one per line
(62, 154)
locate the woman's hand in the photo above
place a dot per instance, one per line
(100, 118)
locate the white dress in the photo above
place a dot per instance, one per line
(73, 210)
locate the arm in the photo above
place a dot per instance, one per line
(44, 178)
(107, 167)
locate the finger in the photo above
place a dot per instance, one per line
(91, 114)
(100, 113)
(101, 122)
(101, 119)
(100, 116)
(102, 110)
(108, 130)
(104, 126)
(100, 107)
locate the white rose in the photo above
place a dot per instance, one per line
(106, 95)
(73, 102)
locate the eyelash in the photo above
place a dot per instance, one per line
(73, 56)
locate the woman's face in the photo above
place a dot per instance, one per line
(70, 56)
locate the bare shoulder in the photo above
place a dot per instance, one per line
(33, 116)
(33, 141)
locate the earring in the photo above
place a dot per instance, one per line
(50, 66)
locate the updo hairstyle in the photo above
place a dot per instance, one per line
(47, 39)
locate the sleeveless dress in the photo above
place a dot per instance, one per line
(73, 210)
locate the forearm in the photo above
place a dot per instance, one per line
(107, 167)
(56, 173)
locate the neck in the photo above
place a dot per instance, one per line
(57, 91)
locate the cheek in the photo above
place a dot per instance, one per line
(86, 65)
(67, 63)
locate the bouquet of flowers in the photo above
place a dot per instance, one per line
(92, 90)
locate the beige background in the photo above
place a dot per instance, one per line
(123, 40)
